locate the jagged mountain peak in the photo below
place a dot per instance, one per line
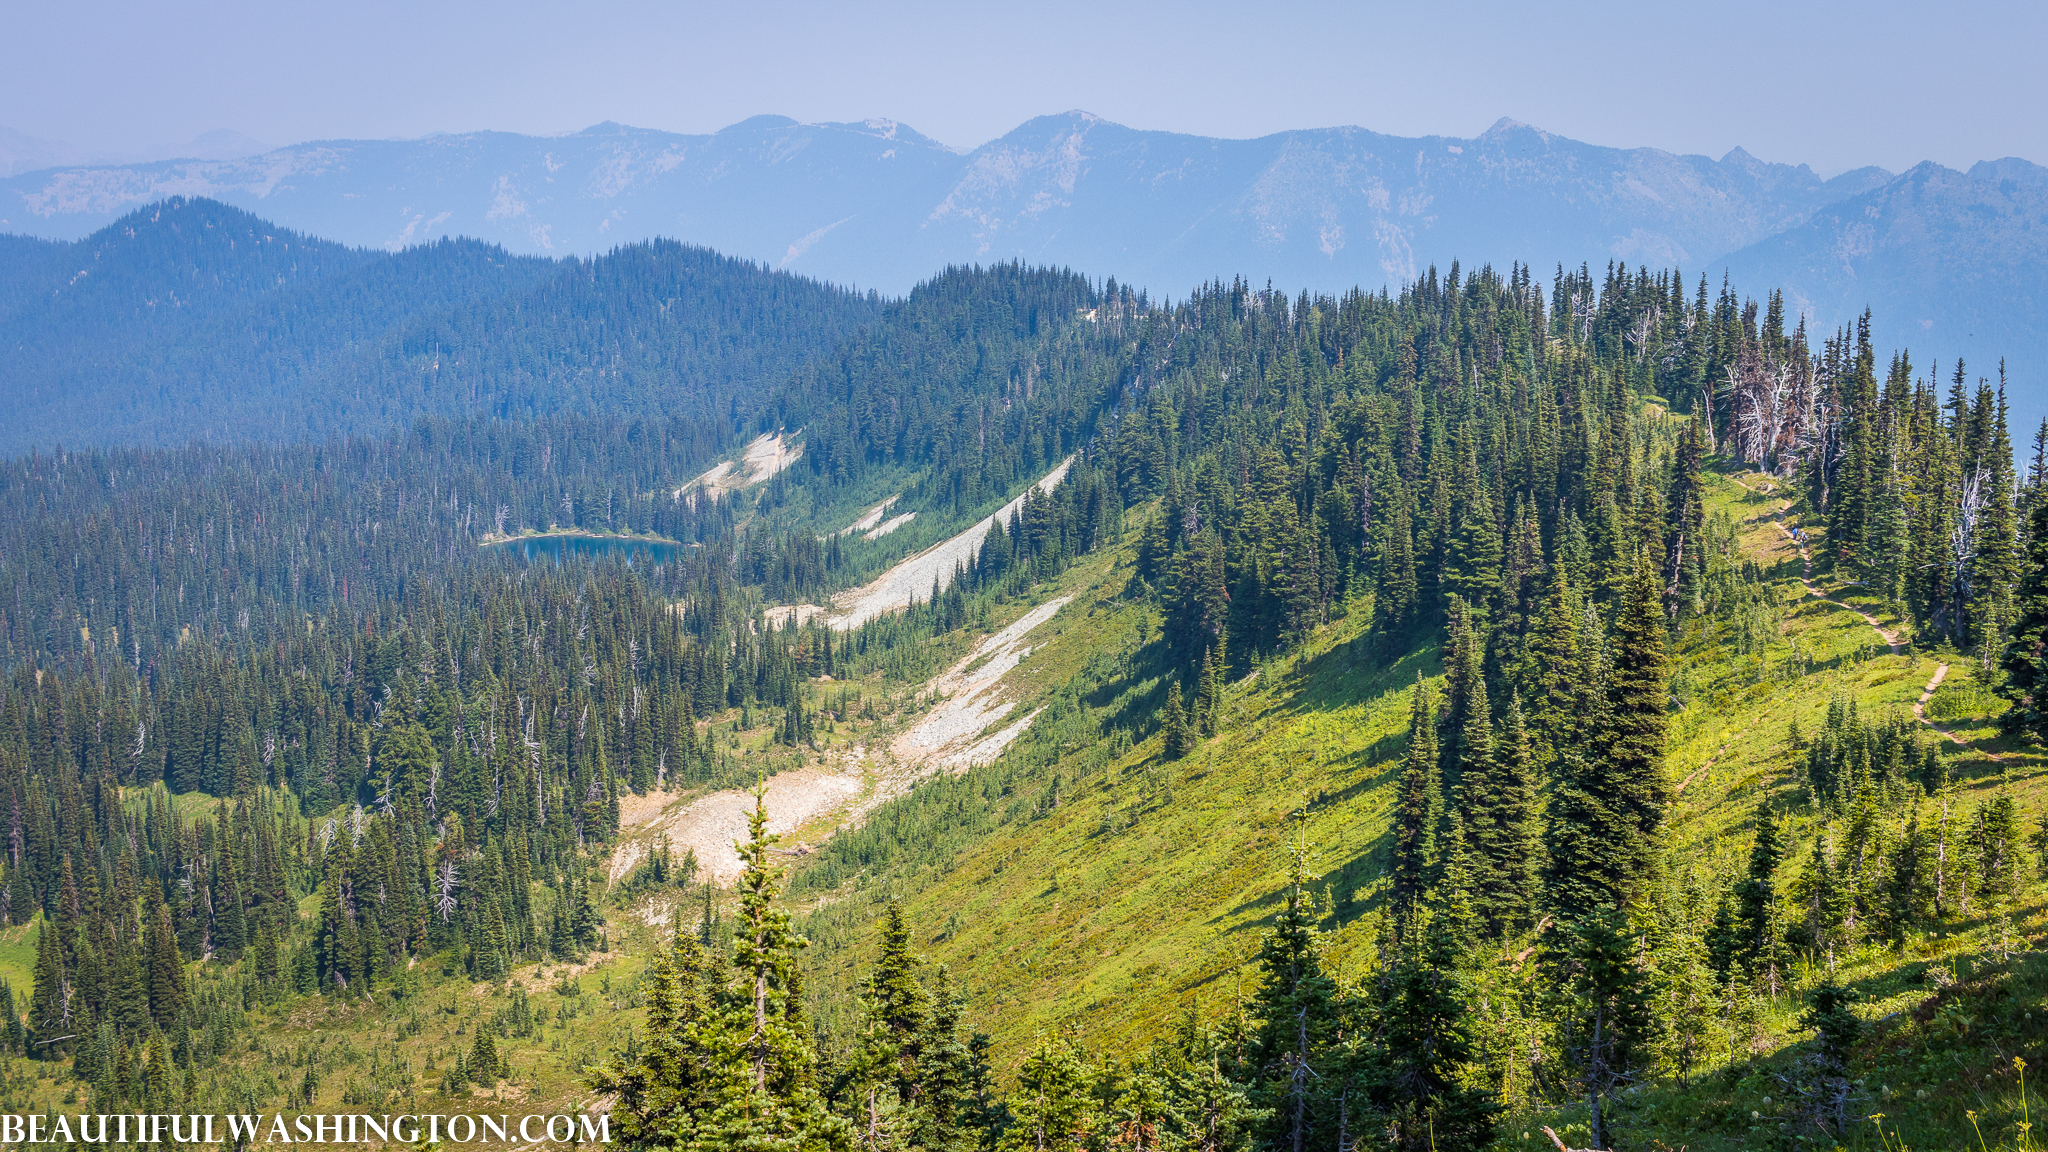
(1507, 125)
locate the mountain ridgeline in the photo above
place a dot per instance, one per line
(192, 320)
(1944, 257)
(243, 676)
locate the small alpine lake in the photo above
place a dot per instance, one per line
(558, 547)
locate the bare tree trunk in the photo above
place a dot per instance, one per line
(1301, 1083)
(760, 1031)
(1597, 1072)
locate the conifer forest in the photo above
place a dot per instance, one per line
(1525, 708)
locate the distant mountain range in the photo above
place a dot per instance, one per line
(1950, 263)
(879, 204)
(1950, 260)
(20, 152)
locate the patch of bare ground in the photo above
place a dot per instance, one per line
(914, 575)
(888, 526)
(764, 456)
(537, 977)
(710, 826)
(967, 703)
(782, 614)
(807, 805)
(869, 518)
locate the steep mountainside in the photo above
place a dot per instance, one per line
(1950, 262)
(1390, 693)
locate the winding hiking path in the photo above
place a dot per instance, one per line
(1890, 638)
(1699, 771)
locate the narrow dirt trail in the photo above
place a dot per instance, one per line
(1890, 638)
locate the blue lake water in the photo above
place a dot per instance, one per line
(556, 549)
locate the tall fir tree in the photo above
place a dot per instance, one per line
(1417, 800)
(1296, 1006)
(2025, 660)
(1511, 851)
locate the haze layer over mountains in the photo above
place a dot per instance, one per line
(1949, 260)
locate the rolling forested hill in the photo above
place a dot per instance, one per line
(1585, 701)
(190, 320)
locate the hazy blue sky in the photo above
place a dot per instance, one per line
(1836, 85)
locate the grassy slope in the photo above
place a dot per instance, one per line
(1144, 893)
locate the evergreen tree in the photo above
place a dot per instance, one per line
(1638, 699)
(1756, 922)
(1905, 883)
(1472, 566)
(1608, 1024)
(1175, 724)
(1055, 1108)
(484, 1066)
(1416, 803)
(2025, 662)
(51, 1024)
(777, 1103)
(1831, 1014)
(957, 1110)
(728, 1063)
(1998, 846)
(1510, 869)
(1399, 597)
(1425, 1032)
(166, 967)
(881, 1086)
(1297, 1010)
(1589, 864)
(673, 1079)
(1689, 1003)
(1686, 507)
(1211, 691)
(1554, 674)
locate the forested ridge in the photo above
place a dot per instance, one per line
(275, 729)
(190, 320)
